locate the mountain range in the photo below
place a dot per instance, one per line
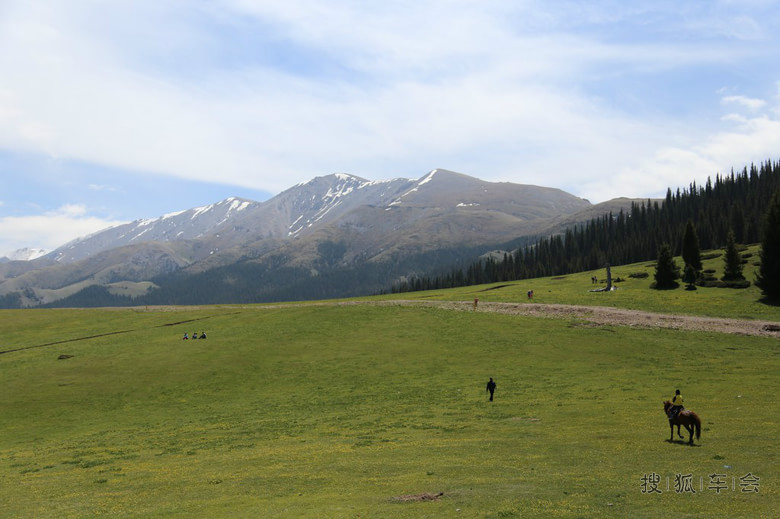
(336, 235)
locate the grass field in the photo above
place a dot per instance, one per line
(340, 410)
(633, 293)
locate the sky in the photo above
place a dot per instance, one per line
(115, 111)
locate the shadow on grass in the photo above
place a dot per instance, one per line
(494, 288)
(768, 301)
(672, 286)
(683, 443)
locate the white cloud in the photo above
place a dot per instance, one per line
(751, 140)
(101, 187)
(51, 229)
(504, 91)
(747, 102)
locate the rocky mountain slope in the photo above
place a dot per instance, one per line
(332, 222)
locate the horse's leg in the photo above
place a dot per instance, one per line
(678, 432)
(690, 434)
(671, 431)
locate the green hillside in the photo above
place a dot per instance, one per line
(631, 292)
(344, 410)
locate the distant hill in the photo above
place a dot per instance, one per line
(334, 235)
(732, 208)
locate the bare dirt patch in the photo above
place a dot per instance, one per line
(608, 316)
(589, 315)
(419, 497)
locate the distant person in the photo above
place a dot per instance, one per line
(185, 337)
(203, 335)
(491, 387)
(677, 405)
(195, 335)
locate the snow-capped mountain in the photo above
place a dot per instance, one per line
(335, 221)
(25, 254)
(313, 205)
(179, 226)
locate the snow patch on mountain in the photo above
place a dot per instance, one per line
(323, 205)
(146, 221)
(26, 254)
(201, 210)
(238, 205)
(428, 178)
(170, 215)
(140, 234)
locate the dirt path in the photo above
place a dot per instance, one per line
(595, 315)
(601, 315)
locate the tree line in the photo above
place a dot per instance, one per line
(734, 203)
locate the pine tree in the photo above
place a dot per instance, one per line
(768, 278)
(666, 270)
(732, 270)
(689, 278)
(690, 248)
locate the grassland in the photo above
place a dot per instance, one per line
(339, 410)
(632, 292)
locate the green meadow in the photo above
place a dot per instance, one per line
(333, 410)
(632, 292)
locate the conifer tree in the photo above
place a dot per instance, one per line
(690, 248)
(690, 276)
(732, 270)
(666, 270)
(768, 278)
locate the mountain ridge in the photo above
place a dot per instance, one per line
(332, 221)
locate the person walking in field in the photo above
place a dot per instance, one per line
(491, 387)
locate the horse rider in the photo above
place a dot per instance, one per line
(677, 405)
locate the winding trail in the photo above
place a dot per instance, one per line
(602, 315)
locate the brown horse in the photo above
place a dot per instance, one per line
(688, 419)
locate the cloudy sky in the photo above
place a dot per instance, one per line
(113, 111)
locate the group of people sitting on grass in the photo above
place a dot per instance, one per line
(194, 336)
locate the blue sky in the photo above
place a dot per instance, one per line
(113, 111)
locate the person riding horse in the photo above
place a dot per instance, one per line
(677, 405)
(686, 418)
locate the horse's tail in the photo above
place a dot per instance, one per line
(697, 424)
